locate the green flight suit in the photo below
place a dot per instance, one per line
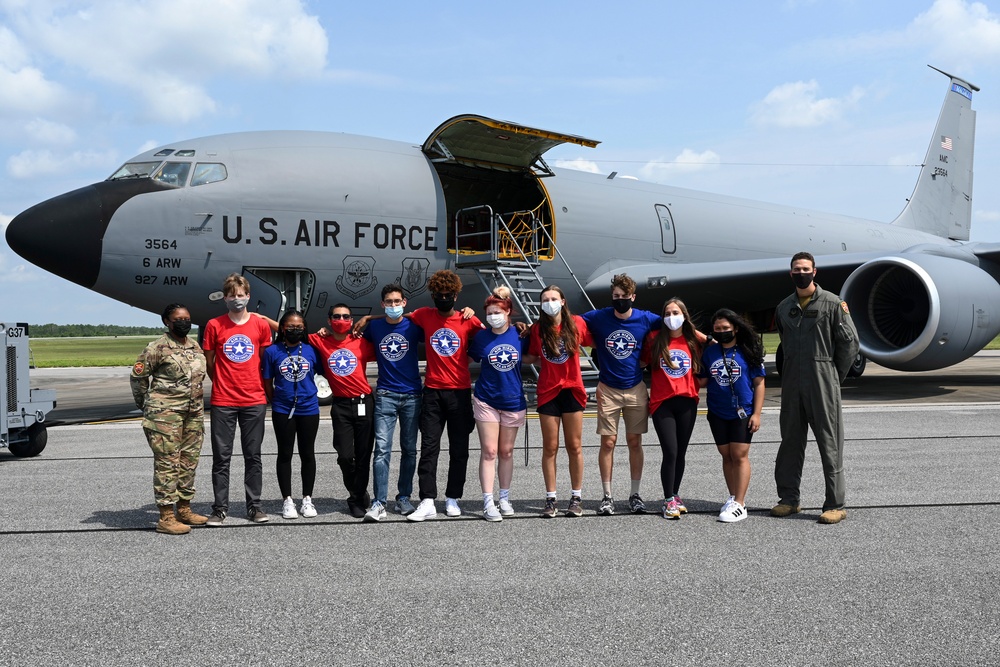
(819, 343)
(167, 386)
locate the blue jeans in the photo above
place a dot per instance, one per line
(390, 406)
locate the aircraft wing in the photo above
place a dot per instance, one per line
(987, 251)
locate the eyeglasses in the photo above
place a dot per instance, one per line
(393, 302)
(294, 330)
(339, 316)
(444, 295)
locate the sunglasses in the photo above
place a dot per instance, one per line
(334, 318)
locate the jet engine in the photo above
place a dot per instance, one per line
(920, 312)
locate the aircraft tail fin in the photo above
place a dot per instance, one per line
(941, 202)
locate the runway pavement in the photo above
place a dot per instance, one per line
(910, 578)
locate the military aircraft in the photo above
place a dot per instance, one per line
(316, 218)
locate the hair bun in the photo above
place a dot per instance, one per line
(501, 292)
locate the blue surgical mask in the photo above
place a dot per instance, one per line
(393, 312)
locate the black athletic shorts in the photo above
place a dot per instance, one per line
(725, 431)
(563, 403)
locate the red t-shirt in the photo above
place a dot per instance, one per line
(562, 372)
(345, 364)
(238, 349)
(447, 340)
(668, 382)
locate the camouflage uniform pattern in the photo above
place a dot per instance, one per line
(167, 386)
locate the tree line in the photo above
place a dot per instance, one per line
(87, 330)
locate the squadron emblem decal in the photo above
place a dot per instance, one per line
(358, 278)
(413, 277)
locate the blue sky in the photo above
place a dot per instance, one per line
(823, 104)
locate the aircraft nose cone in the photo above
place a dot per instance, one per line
(62, 235)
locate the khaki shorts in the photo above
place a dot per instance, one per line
(632, 404)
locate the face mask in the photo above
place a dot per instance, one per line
(444, 305)
(622, 306)
(497, 320)
(180, 327)
(673, 322)
(341, 326)
(237, 305)
(802, 280)
(294, 336)
(724, 337)
(393, 312)
(552, 308)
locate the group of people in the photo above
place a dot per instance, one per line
(248, 372)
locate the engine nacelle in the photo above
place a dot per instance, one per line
(922, 312)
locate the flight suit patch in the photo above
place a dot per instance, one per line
(138, 368)
(843, 306)
(810, 313)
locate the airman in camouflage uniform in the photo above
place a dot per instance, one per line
(167, 386)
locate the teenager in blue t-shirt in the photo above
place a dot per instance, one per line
(397, 397)
(618, 333)
(498, 400)
(288, 368)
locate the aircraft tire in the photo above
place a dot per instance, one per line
(858, 367)
(323, 391)
(38, 437)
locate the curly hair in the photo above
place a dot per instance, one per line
(747, 339)
(445, 281)
(624, 283)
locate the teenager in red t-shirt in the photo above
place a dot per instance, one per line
(234, 344)
(674, 353)
(555, 344)
(344, 359)
(447, 399)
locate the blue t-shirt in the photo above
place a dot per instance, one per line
(618, 344)
(499, 385)
(396, 354)
(718, 394)
(292, 370)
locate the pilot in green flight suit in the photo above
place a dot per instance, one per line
(819, 343)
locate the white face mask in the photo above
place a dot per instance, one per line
(673, 322)
(552, 308)
(496, 320)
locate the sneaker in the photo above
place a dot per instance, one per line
(726, 506)
(636, 505)
(575, 507)
(506, 509)
(425, 510)
(256, 515)
(308, 510)
(451, 507)
(356, 508)
(404, 506)
(491, 512)
(784, 509)
(288, 509)
(680, 505)
(376, 513)
(218, 516)
(550, 511)
(736, 512)
(607, 507)
(671, 510)
(833, 516)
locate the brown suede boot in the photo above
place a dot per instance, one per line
(187, 517)
(169, 524)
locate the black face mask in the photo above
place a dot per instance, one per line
(444, 305)
(724, 336)
(622, 306)
(293, 336)
(802, 280)
(180, 328)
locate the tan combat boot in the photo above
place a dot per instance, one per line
(187, 517)
(169, 524)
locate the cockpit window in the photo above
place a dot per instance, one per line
(173, 173)
(185, 153)
(208, 172)
(164, 152)
(135, 170)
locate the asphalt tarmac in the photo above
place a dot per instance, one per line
(909, 578)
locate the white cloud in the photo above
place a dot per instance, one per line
(660, 171)
(958, 31)
(580, 165)
(48, 132)
(797, 105)
(32, 163)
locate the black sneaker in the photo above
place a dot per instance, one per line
(607, 507)
(575, 506)
(356, 508)
(218, 516)
(636, 505)
(550, 510)
(257, 516)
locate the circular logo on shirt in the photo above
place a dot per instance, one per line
(504, 357)
(238, 348)
(681, 359)
(445, 342)
(294, 368)
(342, 362)
(394, 347)
(563, 355)
(620, 343)
(725, 376)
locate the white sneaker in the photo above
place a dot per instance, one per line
(726, 506)
(376, 513)
(451, 507)
(506, 509)
(735, 513)
(404, 506)
(425, 510)
(308, 509)
(288, 509)
(491, 513)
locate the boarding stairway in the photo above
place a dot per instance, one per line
(507, 249)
